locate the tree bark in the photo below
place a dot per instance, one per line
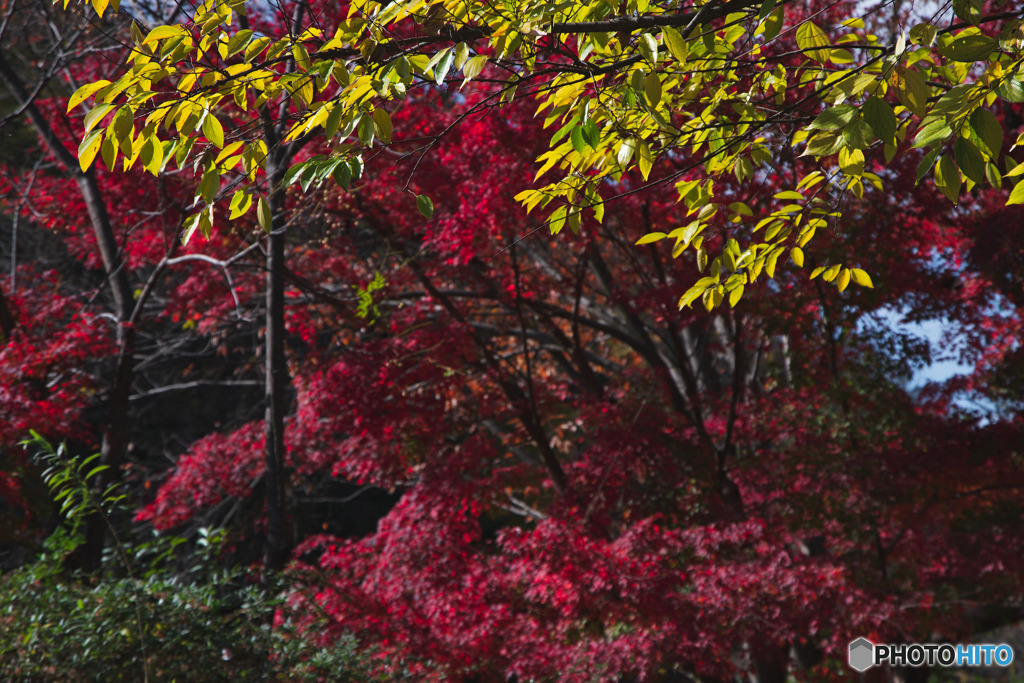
(114, 434)
(6, 320)
(277, 544)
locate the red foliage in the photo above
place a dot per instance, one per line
(595, 484)
(643, 563)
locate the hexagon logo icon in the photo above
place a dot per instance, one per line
(862, 654)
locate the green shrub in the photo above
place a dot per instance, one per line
(53, 628)
(116, 626)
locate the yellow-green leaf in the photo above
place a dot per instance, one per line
(652, 89)
(240, 203)
(651, 237)
(912, 90)
(677, 47)
(382, 124)
(89, 148)
(472, 68)
(84, 92)
(1017, 196)
(644, 160)
(101, 5)
(810, 36)
(734, 296)
(96, 114)
(861, 278)
(851, 161)
(425, 206)
(213, 131)
(190, 225)
(264, 216)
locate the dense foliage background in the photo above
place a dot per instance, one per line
(507, 456)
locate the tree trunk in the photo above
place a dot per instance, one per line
(277, 545)
(115, 430)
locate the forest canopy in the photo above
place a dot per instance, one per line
(736, 89)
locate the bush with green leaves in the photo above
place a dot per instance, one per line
(148, 623)
(55, 628)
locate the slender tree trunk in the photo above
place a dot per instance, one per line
(6, 320)
(277, 546)
(114, 435)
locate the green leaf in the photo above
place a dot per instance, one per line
(967, 10)
(238, 41)
(823, 145)
(1011, 90)
(576, 138)
(342, 175)
(209, 186)
(365, 130)
(858, 134)
(992, 174)
(924, 34)
(835, 118)
(123, 125)
(879, 115)
(912, 90)
(108, 151)
(461, 55)
(773, 23)
(969, 159)
(969, 48)
(190, 226)
(935, 132)
(986, 127)
(425, 206)
(947, 178)
(442, 67)
(926, 165)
